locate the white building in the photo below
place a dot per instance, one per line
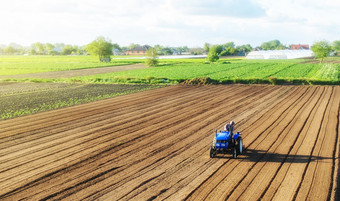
(279, 54)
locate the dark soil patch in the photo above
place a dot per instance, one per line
(199, 81)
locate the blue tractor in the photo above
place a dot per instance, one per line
(224, 142)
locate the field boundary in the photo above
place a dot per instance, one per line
(270, 80)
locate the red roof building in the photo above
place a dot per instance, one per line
(299, 47)
(139, 50)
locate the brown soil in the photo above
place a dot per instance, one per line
(155, 145)
(75, 73)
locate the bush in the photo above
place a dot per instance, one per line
(151, 57)
(321, 49)
(213, 54)
(151, 62)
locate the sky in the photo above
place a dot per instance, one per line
(169, 22)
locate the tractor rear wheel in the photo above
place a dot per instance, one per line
(239, 145)
(234, 152)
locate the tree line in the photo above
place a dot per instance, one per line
(104, 48)
(42, 49)
(39, 48)
(321, 49)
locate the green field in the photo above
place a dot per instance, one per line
(13, 65)
(228, 71)
(174, 71)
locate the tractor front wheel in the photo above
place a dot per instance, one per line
(212, 152)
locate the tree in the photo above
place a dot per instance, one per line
(124, 48)
(213, 53)
(228, 51)
(244, 49)
(49, 47)
(281, 47)
(185, 48)
(321, 49)
(272, 45)
(9, 50)
(32, 51)
(206, 47)
(158, 47)
(167, 51)
(179, 50)
(196, 51)
(151, 57)
(133, 45)
(336, 45)
(228, 44)
(40, 48)
(100, 47)
(68, 50)
(116, 46)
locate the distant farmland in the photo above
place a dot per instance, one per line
(230, 71)
(174, 71)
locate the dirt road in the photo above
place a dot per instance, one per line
(154, 145)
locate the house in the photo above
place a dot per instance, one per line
(116, 52)
(299, 47)
(139, 50)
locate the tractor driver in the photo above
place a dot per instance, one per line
(230, 127)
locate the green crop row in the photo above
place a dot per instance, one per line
(173, 71)
(240, 71)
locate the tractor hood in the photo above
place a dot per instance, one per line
(223, 135)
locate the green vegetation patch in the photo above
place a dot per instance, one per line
(19, 99)
(13, 65)
(228, 71)
(174, 71)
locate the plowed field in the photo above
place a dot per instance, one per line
(154, 145)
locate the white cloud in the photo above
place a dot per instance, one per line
(169, 22)
(243, 9)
